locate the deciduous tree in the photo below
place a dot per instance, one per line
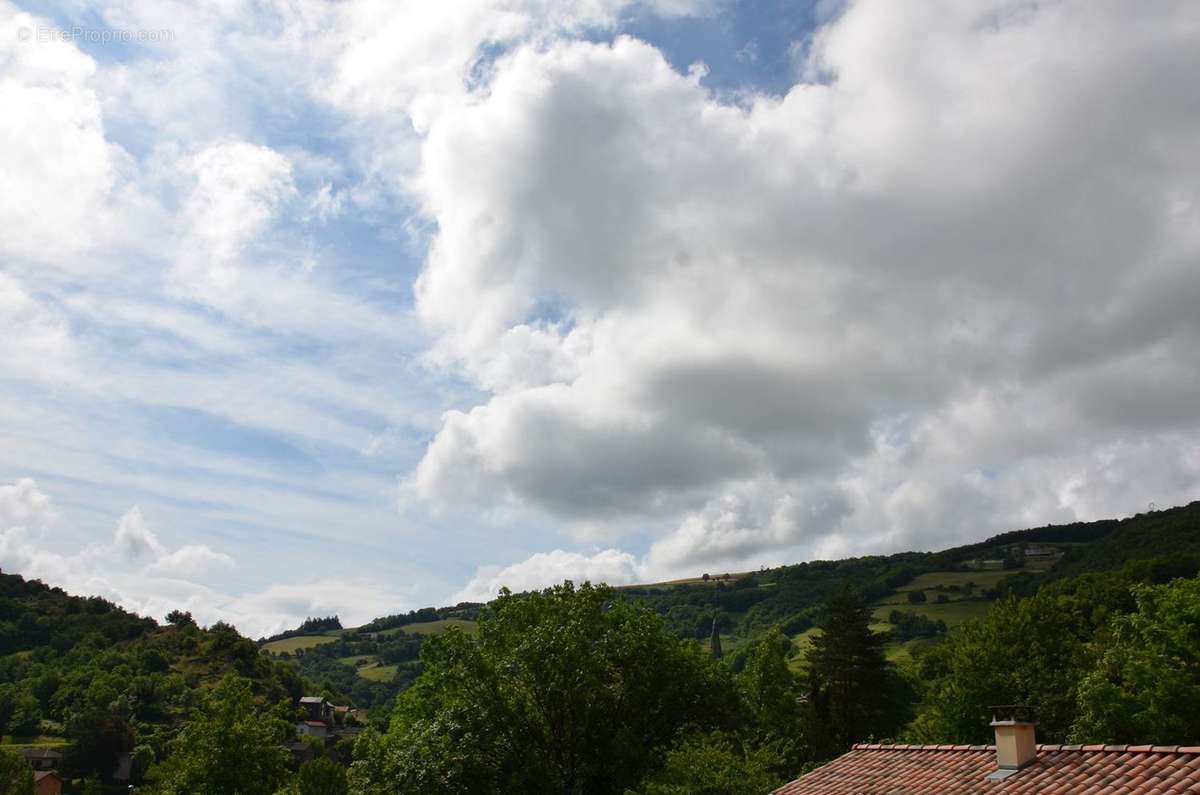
(570, 690)
(231, 745)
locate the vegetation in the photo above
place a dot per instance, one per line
(15, 776)
(321, 776)
(567, 690)
(86, 676)
(309, 626)
(848, 674)
(594, 689)
(231, 744)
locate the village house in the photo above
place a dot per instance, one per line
(312, 728)
(42, 758)
(1015, 765)
(47, 782)
(325, 722)
(316, 708)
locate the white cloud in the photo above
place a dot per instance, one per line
(192, 559)
(55, 164)
(544, 569)
(23, 503)
(134, 539)
(944, 287)
(770, 320)
(238, 188)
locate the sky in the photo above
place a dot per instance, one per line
(312, 308)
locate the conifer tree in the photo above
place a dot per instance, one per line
(847, 670)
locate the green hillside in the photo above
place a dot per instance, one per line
(1091, 623)
(966, 579)
(86, 676)
(1067, 617)
(376, 661)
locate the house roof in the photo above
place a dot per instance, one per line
(946, 769)
(312, 700)
(41, 753)
(38, 775)
(320, 723)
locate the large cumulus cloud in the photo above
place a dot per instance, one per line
(943, 286)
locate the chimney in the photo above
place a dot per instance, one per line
(1016, 746)
(715, 644)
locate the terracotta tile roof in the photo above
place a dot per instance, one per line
(1059, 769)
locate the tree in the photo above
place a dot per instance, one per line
(229, 746)
(8, 702)
(847, 671)
(26, 717)
(570, 690)
(771, 698)
(1145, 687)
(917, 597)
(714, 763)
(98, 723)
(180, 618)
(321, 776)
(15, 776)
(1027, 651)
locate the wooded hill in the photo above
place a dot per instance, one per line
(86, 676)
(916, 597)
(1094, 623)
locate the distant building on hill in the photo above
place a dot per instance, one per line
(312, 728)
(316, 708)
(325, 721)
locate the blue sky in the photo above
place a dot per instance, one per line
(364, 307)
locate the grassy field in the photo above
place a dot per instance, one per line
(713, 579)
(953, 613)
(39, 741)
(930, 581)
(434, 627)
(298, 642)
(378, 673)
(958, 610)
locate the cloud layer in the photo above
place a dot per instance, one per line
(577, 300)
(938, 289)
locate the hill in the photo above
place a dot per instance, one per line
(85, 675)
(376, 661)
